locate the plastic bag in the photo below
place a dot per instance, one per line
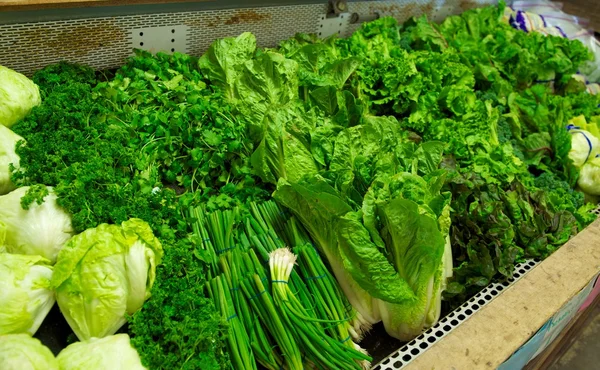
(547, 17)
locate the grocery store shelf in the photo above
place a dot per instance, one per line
(18, 11)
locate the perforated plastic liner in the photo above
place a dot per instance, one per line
(105, 43)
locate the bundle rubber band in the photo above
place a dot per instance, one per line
(257, 295)
(225, 250)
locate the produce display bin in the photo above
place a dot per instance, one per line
(504, 326)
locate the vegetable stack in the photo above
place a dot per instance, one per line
(266, 207)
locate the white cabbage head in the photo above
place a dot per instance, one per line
(113, 352)
(41, 230)
(22, 352)
(25, 293)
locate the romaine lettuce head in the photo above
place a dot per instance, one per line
(113, 352)
(407, 280)
(8, 141)
(18, 95)
(22, 352)
(25, 293)
(41, 230)
(589, 177)
(105, 273)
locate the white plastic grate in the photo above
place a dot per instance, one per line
(411, 350)
(334, 25)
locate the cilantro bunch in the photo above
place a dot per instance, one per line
(184, 134)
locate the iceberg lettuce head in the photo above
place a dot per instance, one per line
(40, 230)
(22, 352)
(8, 142)
(24, 292)
(18, 95)
(113, 352)
(105, 273)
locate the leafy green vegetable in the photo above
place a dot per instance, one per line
(88, 162)
(39, 229)
(97, 180)
(473, 83)
(25, 292)
(178, 326)
(396, 149)
(396, 247)
(318, 206)
(184, 136)
(8, 158)
(18, 95)
(114, 352)
(589, 179)
(584, 140)
(21, 351)
(358, 230)
(585, 150)
(223, 61)
(264, 90)
(105, 273)
(63, 73)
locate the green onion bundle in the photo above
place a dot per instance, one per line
(321, 350)
(318, 279)
(240, 352)
(279, 317)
